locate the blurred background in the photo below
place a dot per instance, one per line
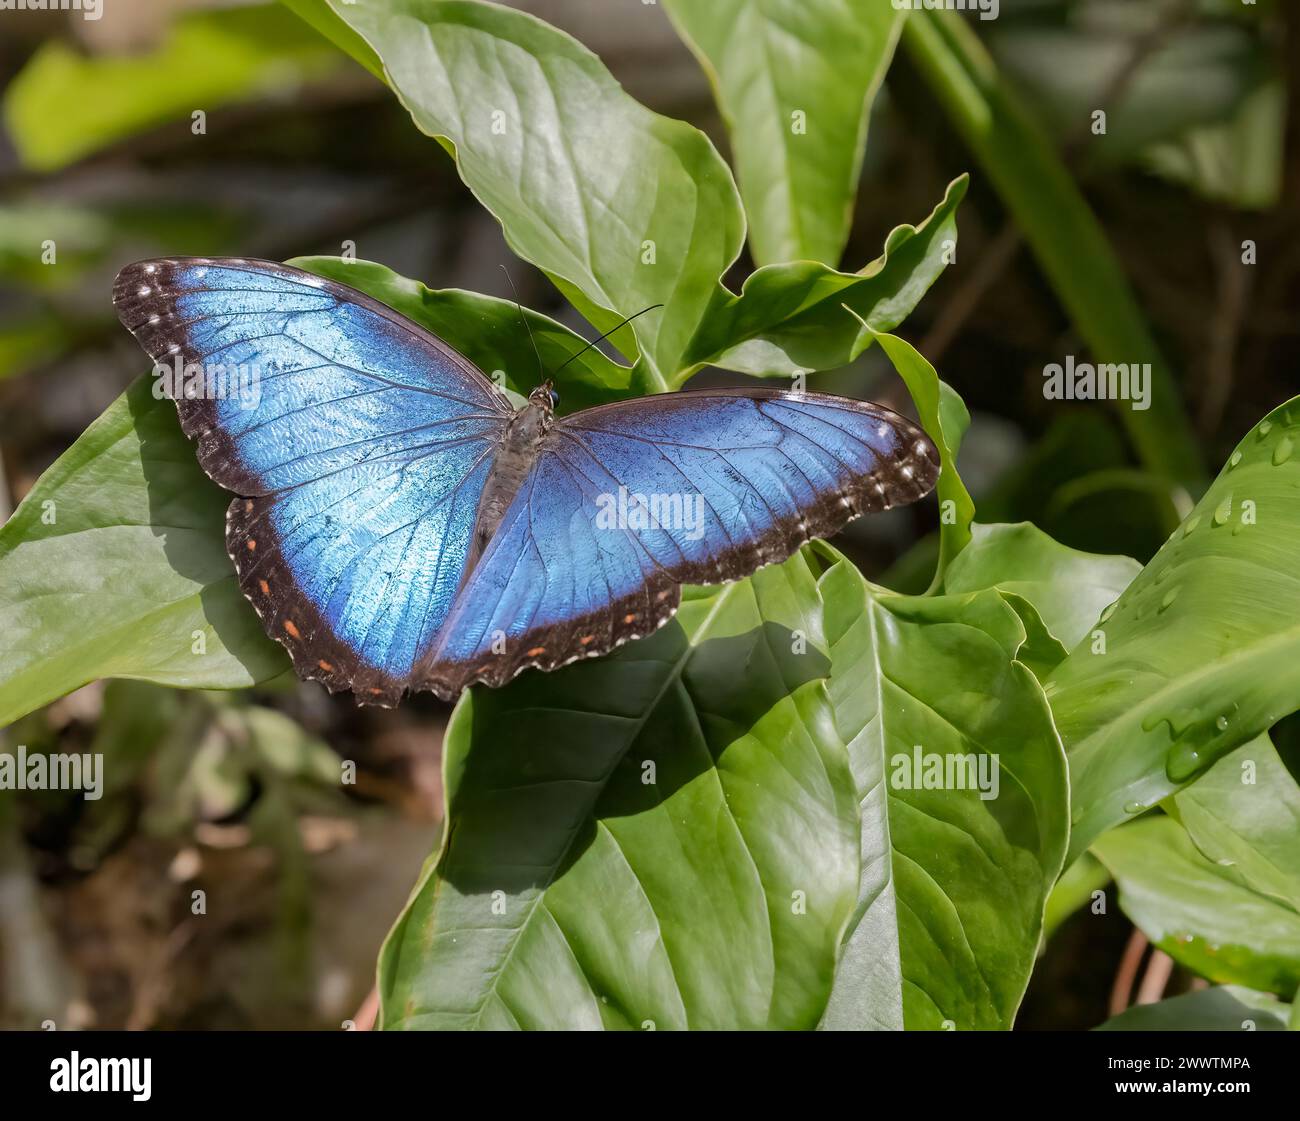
(301, 152)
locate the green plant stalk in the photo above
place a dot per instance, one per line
(1059, 226)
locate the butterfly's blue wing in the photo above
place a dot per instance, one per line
(573, 571)
(360, 445)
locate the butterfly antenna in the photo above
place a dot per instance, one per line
(524, 318)
(600, 338)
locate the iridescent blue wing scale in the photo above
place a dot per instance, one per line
(359, 459)
(772, 468)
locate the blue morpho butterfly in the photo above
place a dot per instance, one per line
(400, 525)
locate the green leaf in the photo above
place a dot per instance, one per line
(65, 105)
(488, 332)
(1202, 651)
(114, 565)
(1222, 1008)
(319, 15)
(1199, 912)
(545, 137)
(1244, 813)
(1041, 652)
(791, 317)
(1064, 234)
(664, 837)
(953, 886)
(945, 419)
(795, 80)
(1068, 588)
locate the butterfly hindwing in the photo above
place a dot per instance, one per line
(551, 586)
(358, 442)
(768, 469)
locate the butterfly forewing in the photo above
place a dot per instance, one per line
(359, 444)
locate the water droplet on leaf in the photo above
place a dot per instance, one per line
(1182, 762)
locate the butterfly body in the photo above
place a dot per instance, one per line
(400, 526)
(517, 452)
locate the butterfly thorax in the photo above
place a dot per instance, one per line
(520, 443)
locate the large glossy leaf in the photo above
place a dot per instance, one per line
(795, 80)
(1244, 814)
(1199, 911)
(1201, 652)
(134, 568)
(114, 566)
(614, 242)
(663, 838)
(953, 887)
(65, 104)
(623, 208)
(1069, 589)
(1221, 1008)
(793, 316)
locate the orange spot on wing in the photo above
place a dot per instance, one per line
(251, 544)
(293, 630)
(325, 666)
(629, 617)
(248, 506)
(266, 588)
(535, 651)
(586, 638)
